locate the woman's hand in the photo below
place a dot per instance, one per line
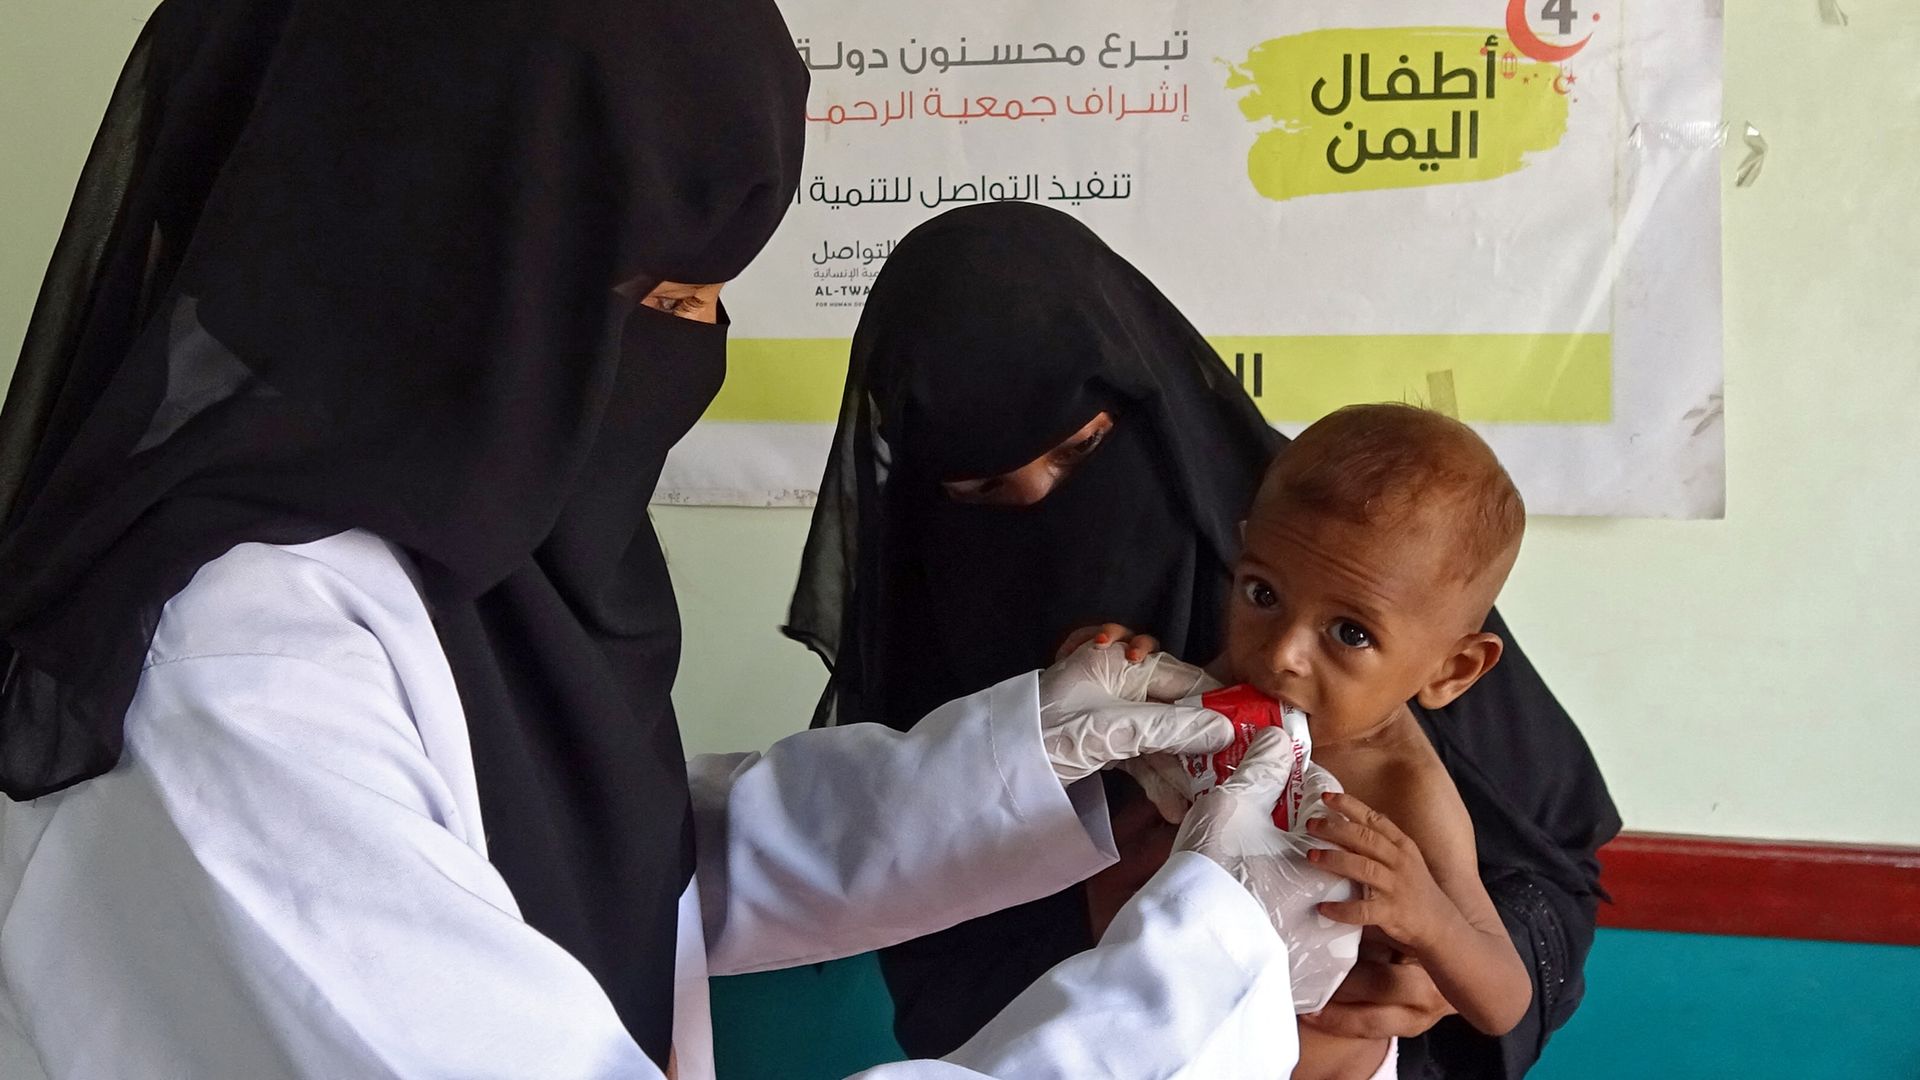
(1382, 998)
(1161, 776)
(1098, 708)
(1139, 646)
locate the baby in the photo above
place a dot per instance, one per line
(1371, 557)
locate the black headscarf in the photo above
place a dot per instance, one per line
(993, 333)
(342, 264)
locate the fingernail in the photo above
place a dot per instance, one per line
(1101, 639)
(1314, 854)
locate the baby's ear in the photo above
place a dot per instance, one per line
(1471, 658)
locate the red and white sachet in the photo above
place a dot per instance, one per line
(1250, 712)
(1320, 951)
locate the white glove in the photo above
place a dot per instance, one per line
(1233, 826)
(1164, 777)
(1098, 708)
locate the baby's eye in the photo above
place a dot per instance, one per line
(1259, 594)
(1352, 634)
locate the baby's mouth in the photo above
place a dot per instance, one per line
(1289, 703)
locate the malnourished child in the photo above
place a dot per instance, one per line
(1373, 553)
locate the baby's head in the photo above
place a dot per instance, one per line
(1373, 552)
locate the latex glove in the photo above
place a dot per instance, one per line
(1163, 777)
(1233, 826)
(1097, 708)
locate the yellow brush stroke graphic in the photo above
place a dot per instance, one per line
(1490, 378)
(1399, 107)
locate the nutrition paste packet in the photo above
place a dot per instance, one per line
(1251, 712)
(1320, 951)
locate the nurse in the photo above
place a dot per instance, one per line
(338, 645)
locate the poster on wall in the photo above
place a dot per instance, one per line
(1508, 210)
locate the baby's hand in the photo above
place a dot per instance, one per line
(1139, 646)
(1398, 892)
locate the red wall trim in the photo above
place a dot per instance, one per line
(1708, 885)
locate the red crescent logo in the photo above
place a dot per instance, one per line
(1529, 42)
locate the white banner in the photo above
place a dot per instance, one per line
(1504, 209)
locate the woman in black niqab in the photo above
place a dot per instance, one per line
(339, 264)
(993, 333)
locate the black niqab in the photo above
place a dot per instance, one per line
(342, 264)
(993, 333)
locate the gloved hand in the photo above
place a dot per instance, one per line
(1098, 708)
(1233, 826)
(1165, 781)
(1163, 777)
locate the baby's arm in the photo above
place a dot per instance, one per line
(1423, 890)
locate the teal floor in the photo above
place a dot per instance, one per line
(1658, 1005)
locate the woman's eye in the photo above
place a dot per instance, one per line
(975, 490)
(677, 305)
(1086, 446)
(1259, 594)
(1352, 634)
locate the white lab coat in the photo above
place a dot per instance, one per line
(287, 875)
